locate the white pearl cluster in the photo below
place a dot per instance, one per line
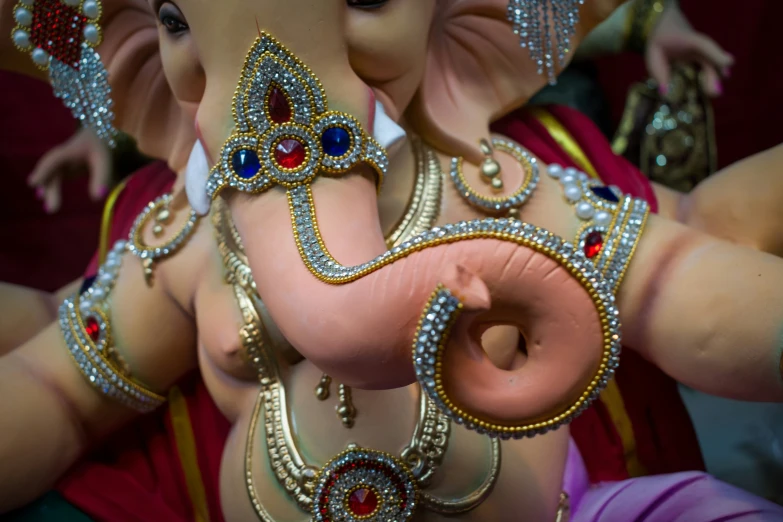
(573, 183)
(105, 279)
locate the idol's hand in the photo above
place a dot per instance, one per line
(82, 154)
(674, 39)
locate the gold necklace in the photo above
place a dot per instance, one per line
(308, 486)
(424, 206)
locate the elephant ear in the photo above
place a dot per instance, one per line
(145, 107)
(477, 72)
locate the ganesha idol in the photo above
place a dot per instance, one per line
(344, 220)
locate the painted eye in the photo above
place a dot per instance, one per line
(367, 4)
(170, 17)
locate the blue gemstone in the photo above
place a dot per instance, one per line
(245, 163)
(605, 193)
(336, 142)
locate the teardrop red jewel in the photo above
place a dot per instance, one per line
(290, 154)
(92, 328)
(363, 502)
(594, 242)
(279, 108)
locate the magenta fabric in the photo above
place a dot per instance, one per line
(691, 496)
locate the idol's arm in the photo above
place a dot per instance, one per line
(52, 410)
(50, 416)
(707, 312)
(742, 203)
(26, 311)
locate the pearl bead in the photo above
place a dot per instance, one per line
(603, 218)
(585, 210)
(98, 294)
(91, 33)
(22, 39)
(106, 278)
(23, 16)
(572, 171)
(40, 57)
(572, 193)
(565, 179)
(90, 9)
(555, 170)
(120, 246)
(85, 305)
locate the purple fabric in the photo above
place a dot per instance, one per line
(678, 497)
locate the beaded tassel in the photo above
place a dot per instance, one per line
(545, 28)
(86, 92)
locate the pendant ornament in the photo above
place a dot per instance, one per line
(61, 37)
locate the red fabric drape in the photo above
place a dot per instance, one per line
(33, 121)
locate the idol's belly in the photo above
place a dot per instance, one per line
(527, 487)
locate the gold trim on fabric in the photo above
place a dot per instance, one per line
(188, 456)
(106, 219)
(565, 140)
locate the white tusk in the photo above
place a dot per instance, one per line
(196, 174)
(387, 132)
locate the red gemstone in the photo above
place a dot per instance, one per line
(58, 29)
(594, 242)
(279, 108)
(363, 502)
(92, 328)
(290, 154)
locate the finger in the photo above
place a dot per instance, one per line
(710, 81)
(99, 162)
(658, 67)
(711, 52)
(48, 167)
(53, 195)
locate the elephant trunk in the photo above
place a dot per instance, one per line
(362, 332)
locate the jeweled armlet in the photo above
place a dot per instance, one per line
(612, 222)
(86, 328)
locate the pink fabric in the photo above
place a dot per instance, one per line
(677, 497)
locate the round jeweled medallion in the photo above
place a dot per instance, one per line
(362, 485)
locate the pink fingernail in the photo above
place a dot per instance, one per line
(47, 208)
(39, 192)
